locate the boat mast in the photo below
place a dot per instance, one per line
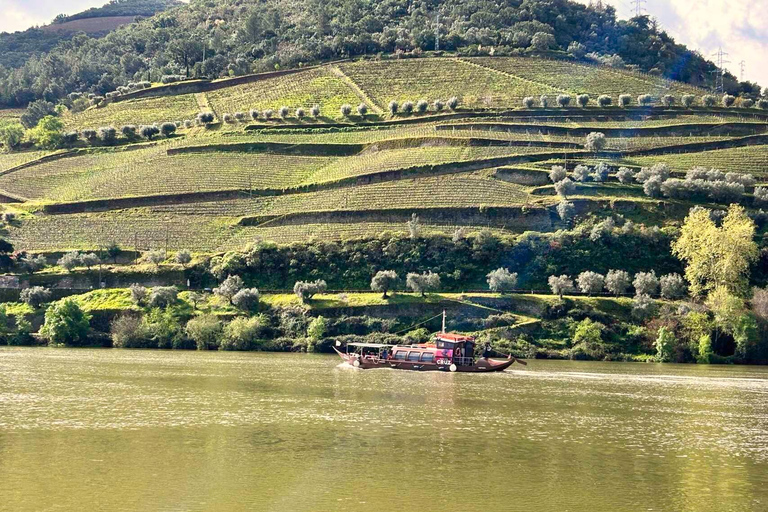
(443, 322)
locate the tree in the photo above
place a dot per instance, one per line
(687, 100)
(582, 100)
(643, 307)
(47, 134)
(563, 100)
(421, 106)
(183, 257)
(668, 100)
(205, 331)
(393, 106)
(595, 141)
(528, 102)
(565, 187)
(453, 103)
(113, 251)
(407, 107)
(652, 186)
(625, 100)
(229, 287)
(422, 283)
(581, 173)
(244, 333)
(346, 110)
(625, 175)
(11, 134)
(163, 296)
(254, 113)
(66, 323)
(414, 226)
(732, 316)
(90, 260)
(383, 281)
(208, 117)
(108, 135)
(284, 111)
(246, 299)
(128, 131)
(268, 113)
(601, 172)
(139, 294)
(617, 282)
(362, 109)
(589, 332)
(168, 129)
(717, 256)
(35, 296)
(565, 210)
(316, 331)
(156, 257)
(708, 100)
(502, 280)
(149, 131)
(672, 286)
(646, 283)
(70, 261)
(557, 173)
(644, 100)
(560, 285)
(665, 342)
(604, 100)
(315, 111)
(438, 105)
(36, 111)
(590, 282)
(728, 100)
(542, 41)
(544, 101)
(305, 290)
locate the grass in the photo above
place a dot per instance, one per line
(16, 158)
(749, 159)
(136, 112)
(18, 308)
(312, 87)
(112, 299)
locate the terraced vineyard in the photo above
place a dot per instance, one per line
(474, 167)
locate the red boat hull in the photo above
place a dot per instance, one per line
(481, 365)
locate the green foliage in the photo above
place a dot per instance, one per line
(502, 280)
(47, 134)
(316, 330)
(66, 323)
(588, 340)
(244, 333)
(11, 134)
(383, 281)
(664, 344)
(705, 353)
(206, 331)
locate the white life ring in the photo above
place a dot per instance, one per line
(453, 367)
(356, 364)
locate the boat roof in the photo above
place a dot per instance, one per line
(448, 336)
(370, 345)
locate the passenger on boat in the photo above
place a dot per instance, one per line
(385, 354)
(487, 351)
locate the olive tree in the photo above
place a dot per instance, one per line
(645, 283)
(668, 100)
(240, 116)
(625, 175)
(315, 111)
(246, 299)
(453, 103)
(762, 104)
(407, 107)
(557, 173)
(528, 102)
(560, 285)
(652, 186)
(590, 282)
(383, 281)
(604, 100)
(708, 100)
(346, 110)
(565, 187)
(617, 282)
(687, 100)
(229, 287)
(268, 114)
(35, 296)
(565, 210)
(300, 114)
(183, 257)
(761, 194)
(643, 307)
(90, 260)
(542, 41)
(672, 286)
(167, 129)
(156, 257)
(362, 109)
(728, 100)
(625, 100)
(393, 106)
(163, 296)
(305, 290)
(601, 172)
(747, 103)
(438, 105)
(421, 106)
(254, 114)
(501, 280)
(644, 100)
(139, 294)
(581, 173)
(582, 100)
(284, 111)
(205, 118)
(544, 101)
(422, 283)
(595, 141)
(108, 134)
(563, 100)
(70, 261)
(149, 131)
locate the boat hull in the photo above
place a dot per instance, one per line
(481, 365)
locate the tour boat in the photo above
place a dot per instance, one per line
(448, 353)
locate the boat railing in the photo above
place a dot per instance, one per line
(464, 361)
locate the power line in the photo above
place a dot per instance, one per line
(720, 71)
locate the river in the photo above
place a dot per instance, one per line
(121, 430)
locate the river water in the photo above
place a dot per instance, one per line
(121, 430)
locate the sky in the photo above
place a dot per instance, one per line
(739, 26)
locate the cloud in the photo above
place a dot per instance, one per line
(23, 14)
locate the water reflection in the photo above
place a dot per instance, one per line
(133, 430)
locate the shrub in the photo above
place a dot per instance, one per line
(643, 307)
(438, 105)
(542, 41)
(68, 138)
(577, 50)
(205, 118)
(407, 107)
(761, 194)
(565, 210)
(346, 110)
(617, 282)
(205, 331)
(244, 333)
(687, 100)
(66, 323)
(246, 299)
(70, 261)
(128, 131)
(108, 134)
(728, 100)
(315, 111)
(672, 286)
(422, 283)
(595, 141)
(129, 331)
(604, 100)
(183, 257)
(557, 173)
(240, 117)
(708, 100)
(582, 100)
(268, 114)
(35, 296)
(138, 294)
(601, 172)
(284, 111)
(646, 283)
(747, 103)
(602, 229)
(652, 186)
(362, 109)
(625, 100)
(228, 118)
(156, 257)
(644, 100)
(453, 103)
(305, 290)
(300, 114)
(563, 100)
(229, 288)
(581, 173)
(625, 175)
(560, 285)
(149, 131)
(254, 114)
(90, 260)
(393, 106)
(90, 135)
(762, 104)
(421, 106)
(163, 296)
(667, 100)
(565, 187)
(168, 129)
(544, 101)
(383, 281)
(528, 102)
(665, 342)
(501, 280)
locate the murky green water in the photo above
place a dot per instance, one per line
(124, 430)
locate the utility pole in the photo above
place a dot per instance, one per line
(720, 73)
(639, 6)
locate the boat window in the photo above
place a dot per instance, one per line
(400, 355)
(427, 357)
(413, 356)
